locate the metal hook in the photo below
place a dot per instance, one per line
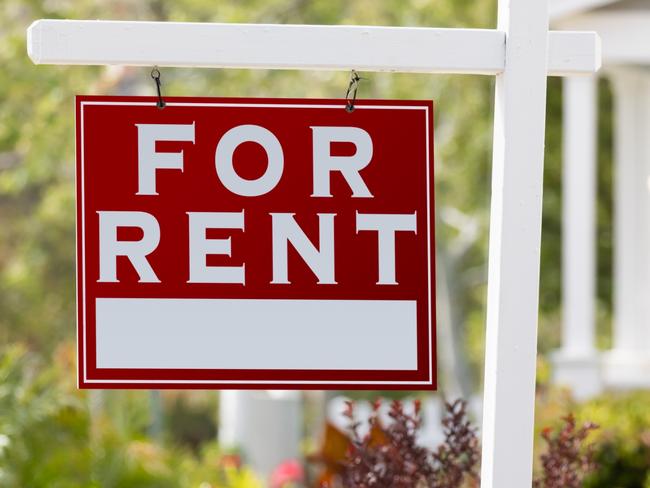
(155, 74)
(352, 88)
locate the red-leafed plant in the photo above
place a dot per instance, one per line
(567, 460)
(390, 457)
(457, 459)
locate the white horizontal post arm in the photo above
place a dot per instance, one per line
(625, 33)
(210, 45)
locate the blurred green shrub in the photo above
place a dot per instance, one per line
(190, 417)
(53, 435)
(622, 441)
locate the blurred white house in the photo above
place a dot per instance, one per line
(624, 27)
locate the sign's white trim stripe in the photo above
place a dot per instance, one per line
(426, 125)
(77, 257)
(83, 244)
(257, 105)
(260, 382)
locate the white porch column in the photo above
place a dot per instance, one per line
(628, 364)
(577, 362)
(266, 425)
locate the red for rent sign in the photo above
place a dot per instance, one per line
(255, 243)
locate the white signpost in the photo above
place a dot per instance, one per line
(521, 52)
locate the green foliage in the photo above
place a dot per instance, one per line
(604, 214)
(624, 439)
(59, 437)
(26, 406)
(190, 417)
(48, 439)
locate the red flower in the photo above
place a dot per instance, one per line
(288, 472)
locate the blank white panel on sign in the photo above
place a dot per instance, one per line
(256, 334)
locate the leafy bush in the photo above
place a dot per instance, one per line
(51, 435)
(623, 442)
(567, 461)
(389, 456)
